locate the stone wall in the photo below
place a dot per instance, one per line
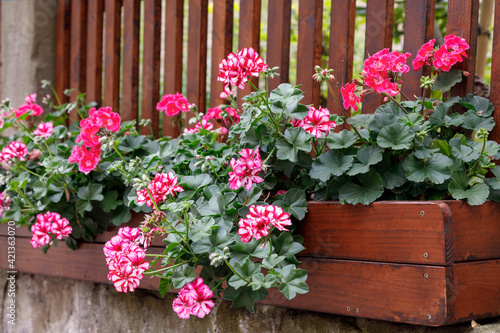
(48, 304)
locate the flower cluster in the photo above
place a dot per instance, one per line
(30, 105)
(49, 225)
(125, 259)
(5, 202)
(317, 122)
(443, 58)
(173, 104)
(193, 299)
(236, 69)
(260, 220)
(88, 154)
(162, 185)
(44, 130)
(378, 67)
(229, 116)
(15, 149)
(245, 169)
(206, 125)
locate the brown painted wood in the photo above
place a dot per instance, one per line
(63, 19)
(222, 45)
(379, 21)
(197, 55)
(174, 20)
(151, 65)
(475, 231)
(130, 82)
(93, 79)
(112, 54)
(383, 231)
(77, 50)
(249, 36)
(309, 48)
(477, 290)
(495, 73)
(419, 29)
(462, 21)
(343, 15)
(278, 40)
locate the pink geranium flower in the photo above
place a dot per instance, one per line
(48, 225)
(193, 299)
(349, 96)
(87, 158)
(29, 106)
(14, 149)
(5, 202)
(245, 169)
(162, 185)
(173, 104)
(260, 220)
(44, 129)
(317, 122)
(424, 55)
(206, 125)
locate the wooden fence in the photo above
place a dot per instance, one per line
(103, 49)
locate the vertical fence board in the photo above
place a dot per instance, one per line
(93, 80)
(130, 82)
(174, 20)
(309, 48)
(61, 80)
(222, 44)
(112, 54)
(197, 54)
(419, 29)
(379, 20)
(495, 73)
(151, 64)
(462, 21)
(343, 15)
(249, 35)
(77, 50)
(278, 40)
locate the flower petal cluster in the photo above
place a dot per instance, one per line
(229, 116)
(236, 69)
(196, 128)
(162, 185)
(193, 299)
(48, 225)
(378, 68)
(125, 259)
(317, 122)
(245, 169)
(29, 106)
(424, 55)
(5, 202)
(44, 130)
(173, 104)
(260, 220)
(88, 154)
(349, 96)
(445, 56)
(14, 149)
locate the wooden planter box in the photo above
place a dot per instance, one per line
(427, 263)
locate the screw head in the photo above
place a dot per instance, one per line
(422, 213)
(426, 275)
(426, 255)
(356, 310)
(348, 308)
(429, 316)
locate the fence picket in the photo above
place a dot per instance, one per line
(495, 74)
(93, 79)
(112, 54)
(278, 40)
(63, 21)
(77, 50)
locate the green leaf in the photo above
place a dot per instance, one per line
(246, 271)
(440, 116)
(475, 195)
(294, 281)
(369, 189)
(59, 132)
(286, 93)
(164, 286)
(396, 136)
(195, 182)
(261, 281)
(110, 201)
(120, 215)
(83, 206)
(295, 139)
(366, 156)
(167, 148)
(393, 176)
(39, 189)
(463, 152)
(435, 169)
(333, 162)
(131, 143)
(272, 261)
(341, 139)
(294, 203)
(481, 105)
(244, 297)
(361, 120)
(446, 80)
(91, 192)
(183, 275)
(474, 122)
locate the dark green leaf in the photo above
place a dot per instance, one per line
(361, 120)
(244, 297)
(459, 189)
(396, 136)
(481, 105)
(463, 152)
(294, 203)
(110, 201)
(341, 139)
(435, 169)
(295, 139)
(183, 275)
(331, 163)
(446, 80)
(369, 189)
(475, 122)
(366, 156)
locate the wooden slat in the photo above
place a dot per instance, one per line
(61, 80)
(419, 29)
(93, 80)
(112, 54)
(173, 57)
(249, 35)
(477, 290)
(495, 73)
(151, 64)
(309, 48)
(278, 40)
(130, 82)
(222, 44)
(478, 240)
(379, 20)
(77, 50)
(197, 54)
(343, 15)
(383, 231)
(462, 21)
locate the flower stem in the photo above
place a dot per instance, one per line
(235, 273)
(221, 281)
(216, 174)
(423, 103)
(165, 268)
(395, 101)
